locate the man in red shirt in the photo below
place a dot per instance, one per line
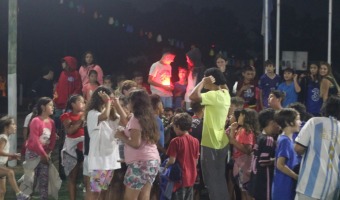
(185, 149)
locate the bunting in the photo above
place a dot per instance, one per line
(113, 21)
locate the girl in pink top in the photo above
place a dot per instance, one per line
(88, 65)
(41, 142)
(91, 86)
(242, 136)
(141, 155)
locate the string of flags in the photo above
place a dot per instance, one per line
(117, 23)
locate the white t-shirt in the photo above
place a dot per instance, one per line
(190, 86)
(4, 159)
(162, 75)
(103, 152)
(319, 172)
(27, 120)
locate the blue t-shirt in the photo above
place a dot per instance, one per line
(282, 187)
(267, 85)
(289, 90)
(178, 94)
(313, 100)
(161, 131)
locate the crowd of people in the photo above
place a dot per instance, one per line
(208, 133)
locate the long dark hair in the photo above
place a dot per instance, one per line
(72, 99)
(83, 61)
(317, 76)
(96, 102)
(43, 101)
(142, 110)
(251, 121)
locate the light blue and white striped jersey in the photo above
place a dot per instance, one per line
(319, 173)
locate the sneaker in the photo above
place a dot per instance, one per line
(22, 196)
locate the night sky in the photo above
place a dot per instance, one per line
(48, 30)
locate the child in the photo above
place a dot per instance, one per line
(168, 114)
(275, 99)
(180, 88)
(127, 86)
(157, 106)
(40, 144)
(8, 127)
(197, 120)
(290, 87)
(120, 79)
(247, 88)
(268, 82)
(69, 83)
(285, 157)
(264, 154)
(91, 86)
(185, 150)
(319, 177)
(310, 90)
(107, 82)
(141, 155)
(139, 79)
(242, 135)
(72, 152)
(196, 132)
(236, 103)
(103, 156)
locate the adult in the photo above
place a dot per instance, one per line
(214, 140)
(88, 64)
(195, 72)
(43, 87)
(222, 64)
(160, 78)
(318, 143)
(328, 84)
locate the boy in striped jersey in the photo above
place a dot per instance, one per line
(319, 143)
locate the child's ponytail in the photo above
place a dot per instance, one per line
(71, 100)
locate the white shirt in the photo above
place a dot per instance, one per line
(190, 86)
(4, 159)
(319, 172)
(103, 152)
(161, 74)
(27, 120)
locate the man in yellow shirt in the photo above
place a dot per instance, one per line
(214, 140)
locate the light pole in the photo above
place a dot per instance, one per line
(12, 70)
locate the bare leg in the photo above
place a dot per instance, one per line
(2, 188)
(9, 173)
(145, 192)
(72, 181)
(131, 194)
